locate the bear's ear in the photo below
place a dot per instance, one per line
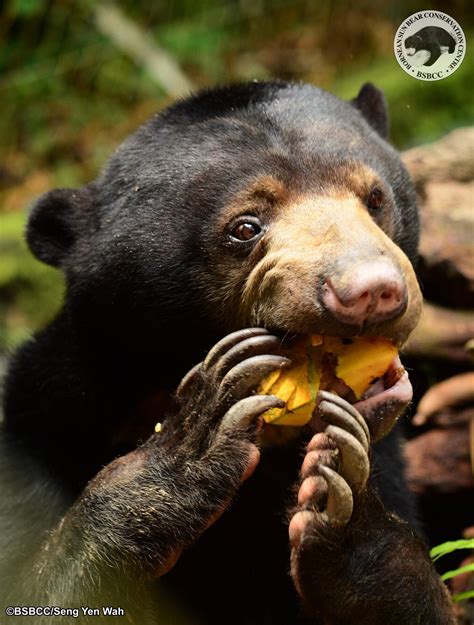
(371, 103)
(57, 220)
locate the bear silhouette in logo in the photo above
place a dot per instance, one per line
(428, 44)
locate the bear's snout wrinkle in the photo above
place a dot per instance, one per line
(370, 293)
(316, 275)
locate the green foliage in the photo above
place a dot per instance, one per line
(420, 111)
(463, 569)
(449, 547)
(462, 596)
(58, 73)
(30, 292)
(26, 8)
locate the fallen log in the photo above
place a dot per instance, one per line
(443, 173)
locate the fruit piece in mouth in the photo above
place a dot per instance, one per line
(366, 371)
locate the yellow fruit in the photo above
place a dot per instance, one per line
(366, 359)
(316, 363)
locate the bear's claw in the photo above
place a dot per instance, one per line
(354, 462)
(228, 342)
(340, 503)
(337, 416)
(243, 377)
(244, 412)
(252, 346)
(347, 408)
(216, 397)
(187, 382)
(335, 469)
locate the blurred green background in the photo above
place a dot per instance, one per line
(76, 76)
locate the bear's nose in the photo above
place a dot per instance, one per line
(374, 292)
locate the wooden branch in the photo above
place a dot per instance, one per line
(443, 173)
(449, 159)
(442, 333)
(455, 391)
(133, 41)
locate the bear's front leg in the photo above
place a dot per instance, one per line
(135, 518)
(352, 562)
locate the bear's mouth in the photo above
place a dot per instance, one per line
(381, 405)
(386, 399)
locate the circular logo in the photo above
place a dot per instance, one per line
(429, 45)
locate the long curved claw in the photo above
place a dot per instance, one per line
(253, 346)
(354, 464)
(228, 342)
(188, 380)
(335, 415)
(244, 412)
(245, 376)
(340, 504)
(345, 405)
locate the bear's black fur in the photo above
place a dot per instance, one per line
(153, 282)
(432, 39)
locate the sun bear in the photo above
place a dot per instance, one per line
(229, 223)
(428, 44)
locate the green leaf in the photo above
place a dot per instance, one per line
(455, 572)
(462, 596)
(27, 8)
(450, 546)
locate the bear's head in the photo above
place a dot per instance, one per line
(270, 204)
(412, 44)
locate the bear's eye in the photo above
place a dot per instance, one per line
(375, 199)
(248, 228)
(245, 232)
